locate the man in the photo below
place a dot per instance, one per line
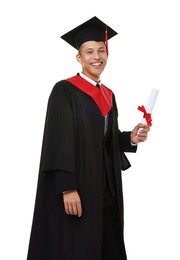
(78, 212)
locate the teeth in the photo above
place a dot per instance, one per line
(96, 64)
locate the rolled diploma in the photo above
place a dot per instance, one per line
(150, 105)
(151, 102)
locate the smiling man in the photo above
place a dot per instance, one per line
(78, 211)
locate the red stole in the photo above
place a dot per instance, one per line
(102, 96)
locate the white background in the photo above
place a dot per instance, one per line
(144, 55)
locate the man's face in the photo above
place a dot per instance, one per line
(93, 58)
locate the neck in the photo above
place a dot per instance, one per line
(94, 77)
(91, 80)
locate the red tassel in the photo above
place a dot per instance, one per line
(106, 38)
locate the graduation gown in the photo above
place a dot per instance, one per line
(73, 149)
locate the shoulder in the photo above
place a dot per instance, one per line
(61, 91)
(61, 87)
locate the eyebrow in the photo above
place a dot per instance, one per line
(91, 48)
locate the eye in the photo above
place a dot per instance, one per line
(89, 52)
(102, 50)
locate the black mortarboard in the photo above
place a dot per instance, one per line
(92, 30)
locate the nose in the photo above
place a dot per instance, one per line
(96, 55)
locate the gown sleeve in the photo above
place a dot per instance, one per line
(58, 148)
(125, 143)
(64, 181)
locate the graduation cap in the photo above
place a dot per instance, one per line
(92, 30)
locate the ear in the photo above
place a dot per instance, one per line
(78, 58)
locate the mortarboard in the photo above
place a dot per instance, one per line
(92, 30)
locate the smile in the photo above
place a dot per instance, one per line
(97, 64)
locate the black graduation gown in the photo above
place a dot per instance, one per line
(73, 145)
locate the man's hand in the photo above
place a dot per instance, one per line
(140, 133)
(72, 203)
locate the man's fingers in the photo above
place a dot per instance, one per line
(79, 209)
(66, 207)
(74, 209)
(70, 208)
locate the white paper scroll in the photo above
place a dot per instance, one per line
(151, 103)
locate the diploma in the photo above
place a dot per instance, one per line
(147, 119)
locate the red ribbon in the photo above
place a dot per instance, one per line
(146, 115)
